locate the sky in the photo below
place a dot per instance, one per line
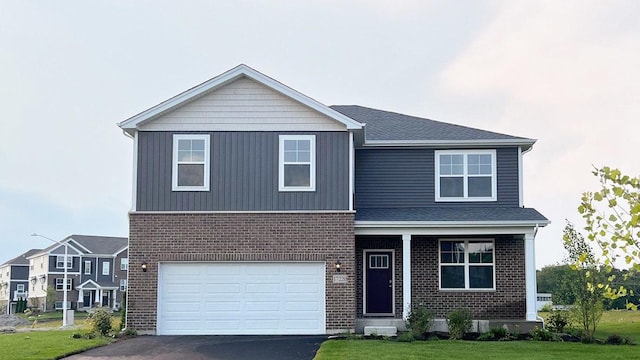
(564, 72)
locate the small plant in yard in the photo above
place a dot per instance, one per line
(419, 320)
(100, 321)
(539, 334)
(497, 334)
(618, 340)
(558, 320)
(406, 337)
(459, 322)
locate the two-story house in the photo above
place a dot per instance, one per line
(14, 281)
(258, 210)
(97, 268)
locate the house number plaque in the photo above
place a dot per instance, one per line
(339, 279)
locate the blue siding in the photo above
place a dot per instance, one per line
(91, 276)
(108, 277)
(393, 178)
(244, 174)
(19, 272)
(75, 264)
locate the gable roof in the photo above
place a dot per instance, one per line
(385, 128)
(22, 258)
(133, 123)
(90, 244)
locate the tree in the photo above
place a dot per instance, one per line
(612, 216)
(584, 281)
(51, 298)
(556, 280)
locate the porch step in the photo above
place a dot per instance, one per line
(380, 330)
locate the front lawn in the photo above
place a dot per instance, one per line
(620, 322)
(455, 349)
(52, 344)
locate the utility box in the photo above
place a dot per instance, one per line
(70, 317)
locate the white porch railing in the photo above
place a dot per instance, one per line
(17, 295)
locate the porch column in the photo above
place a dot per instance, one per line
(81, 297)
(114, 299)
(530, 275)
(406, 275)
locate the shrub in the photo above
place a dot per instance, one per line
(618, 340)
(546, 308)
(558, 320)
(419, 320)
(406, 337)
(100, 321)
(538, 334)
(459, 322)
(496, 334)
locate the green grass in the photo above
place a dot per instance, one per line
(52, 344)
(455, 349)
(624, 323)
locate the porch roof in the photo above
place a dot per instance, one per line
(451, 214)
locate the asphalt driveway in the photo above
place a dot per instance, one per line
(208, 347)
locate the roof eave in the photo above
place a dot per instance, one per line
(524, 144)
(453, 224)
(131, 125)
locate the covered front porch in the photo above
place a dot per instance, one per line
(488, 267)
(92, 294)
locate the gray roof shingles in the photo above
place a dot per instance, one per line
(479, 214)
(22, 258)
(386, 125)
(100, 244)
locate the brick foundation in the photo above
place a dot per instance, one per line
(240, 237)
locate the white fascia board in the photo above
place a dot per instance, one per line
(77, 243)
(525, 144)
(454, 224)
(126, 247)
(131, 125)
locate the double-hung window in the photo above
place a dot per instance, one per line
(105, 268)
(191, 162)
(124, 264)
(465, 175)
(467, 265)
(297, 163)
(60, 262)
(123, 284)
(60, 284)
(87, 267)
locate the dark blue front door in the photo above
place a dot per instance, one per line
(379, 282)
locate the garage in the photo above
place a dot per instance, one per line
(241, 298)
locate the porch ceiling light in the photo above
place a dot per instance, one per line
(144, 266)
(338, 265)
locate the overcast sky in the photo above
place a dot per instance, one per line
(564, 72)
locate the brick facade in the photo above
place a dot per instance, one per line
(508, 301)
(157, 237)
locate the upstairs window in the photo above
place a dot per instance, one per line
(297, 163)
(105, 268)
(190, 162)
(87, 267)
(60, 262)
(467, 265)
(465, 175)
(124, 264)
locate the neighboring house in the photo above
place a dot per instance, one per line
(97, 268)
(542, 300)
(258, 210)
(14, 281)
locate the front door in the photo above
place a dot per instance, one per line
(379, 282)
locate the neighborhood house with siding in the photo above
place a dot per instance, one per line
(258, 210)
(14, 282)
(97, 268)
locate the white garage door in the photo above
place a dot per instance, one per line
(241, 298)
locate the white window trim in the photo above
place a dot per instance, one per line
(60, 284)
(87, 265)
(207, 162)
(465, 176)
(466, 265)
(69, 261)
(20, 288)
(106, 268)
(312, 163)
(124, 264)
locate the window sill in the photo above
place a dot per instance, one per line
(467, 290)
(484, 199)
